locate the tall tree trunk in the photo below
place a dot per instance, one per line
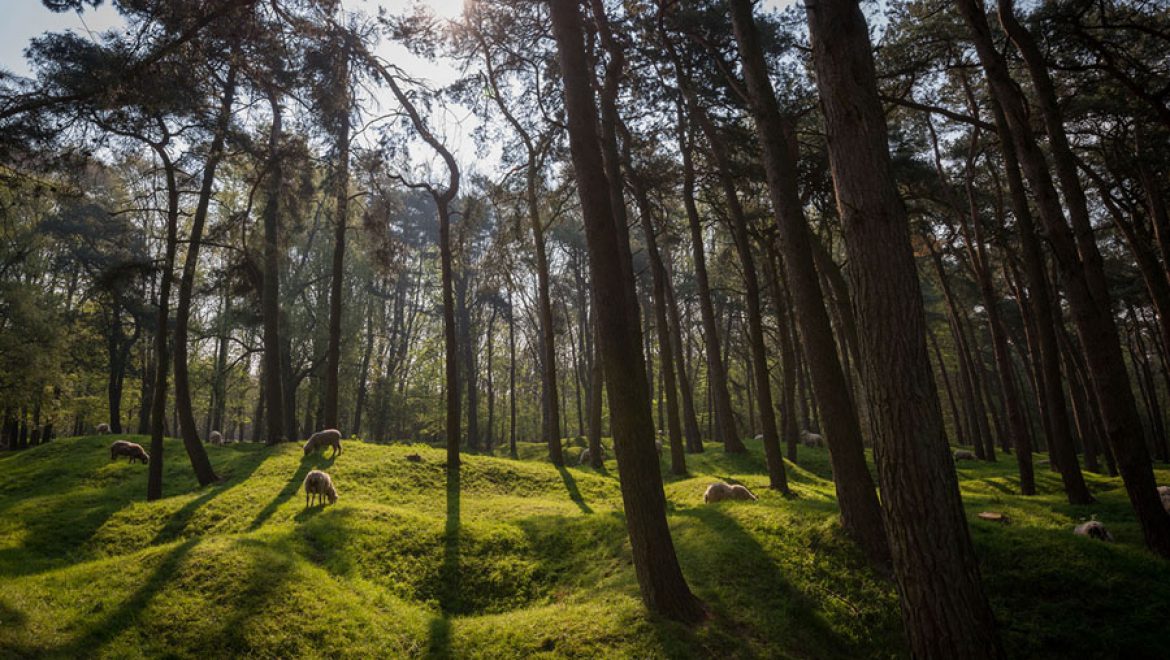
(724, 421)
(1047, 320)
(663, 587)
(512, 377)
(270, 294)
(117, 350)
(694, 442)
(158, 409)
(788, 424)
(364, 372)
(467, 350)
(1079, 262)
(678, 460)
(842, 427)
(187, 427)
(944, 608)
(977, 251)
(337, 272)
(183, 407)
(219, 378)
(758, 362)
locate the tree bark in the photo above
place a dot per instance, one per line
(663, 588)
(855, 492)
(944, 608)
(716, 370)
(270, 294)
(337, 273)
(1084, 284)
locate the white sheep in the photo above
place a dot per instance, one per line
(215, 438)
(131, 450)
(1164, 493)
(326, 438)
(318, 486)
(963, 455)
(585, 454)
(720, 491)
(1094, 530)
(658, 446)
(103, 428)
(811, 439)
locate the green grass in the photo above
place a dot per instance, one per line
(514, 558)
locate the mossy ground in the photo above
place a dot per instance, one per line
(514, 558)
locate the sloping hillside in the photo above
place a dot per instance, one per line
(511, 558)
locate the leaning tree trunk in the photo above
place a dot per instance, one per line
(855, 491)
(158, 409)
(1080, 270)
(944, 608)
(187, 427)
(663, 587)
(758, 360)
(678, 459)
(1060, 438)
(716, 370)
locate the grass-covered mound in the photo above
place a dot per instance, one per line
(513, 558)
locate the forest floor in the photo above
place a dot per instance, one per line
(515, 558)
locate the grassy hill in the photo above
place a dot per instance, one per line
(513, 558)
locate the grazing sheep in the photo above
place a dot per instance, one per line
(103, 428)
(1164, 493)
(318, 486)
(133, 451)
(759, 436)
(963, 455)
(326, 438)
(720, 491)
(811, 439)
(584, 458)
(1094, 530)
(215, 438)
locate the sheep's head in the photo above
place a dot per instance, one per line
(332, 495)
(146, 458)
(308, 447)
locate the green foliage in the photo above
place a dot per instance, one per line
(513, 558)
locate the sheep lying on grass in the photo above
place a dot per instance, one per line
(133, 451)
(963, 455)
(1094, 530)
(318, 486)
(1164, 493)
(326, 438)
(719, 491)
(103, 428)
(811, 439)
(215, 438)
(584, 458)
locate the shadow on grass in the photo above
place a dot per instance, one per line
(449, 597)
(440, 643)
(10, 617)
(571, 487)
(748, 596)
(177, 523)
(89, 642)
(310, 462)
